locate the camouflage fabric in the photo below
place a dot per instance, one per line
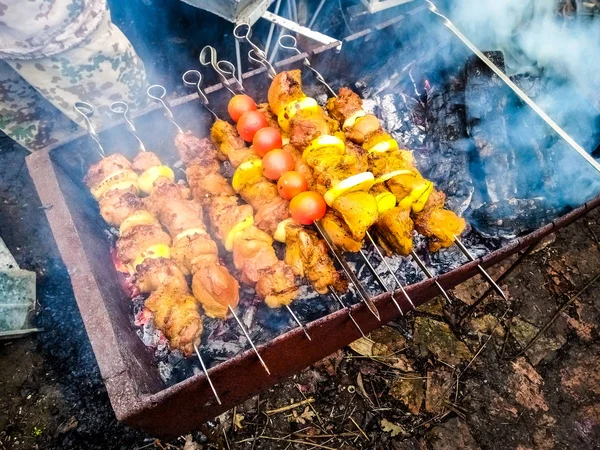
(37, 96)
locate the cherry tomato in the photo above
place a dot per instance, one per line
(276, 163)
(250, 123)
(291, 184)
(238, 105)
(306, 207)
(265, 140)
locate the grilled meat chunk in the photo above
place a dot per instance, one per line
(394, 231)
(155, 273)
(105, 168)
(193, 150)
(440, 225)
(205, 186)
(277, 285)
(118, 204)
(307, 254)
(270, 215)
(363, 128)
(180, 215)
(358, 210)
(339, 233)
(176, 315)
(253, 254)
(230, 145)
(266, 110)
(285, 88)
(133, 242)
(144, 161)
(193, 250)
(224, 213)
(215, 288)
(163, 193)
(304, 129)
(344, 105)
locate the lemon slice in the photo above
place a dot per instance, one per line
(359, 182)
(189, 232)
(154, 251)
(125, 185)
(395, 173)
(148, 178)
(239, 227)
(350, 121)
(137, 218)
(418, 206)
(285, 117)
(280, 233)
(327, 141)
(385, 201)
(116, 178)
(415, 194)
(384, 146)
(248, 173)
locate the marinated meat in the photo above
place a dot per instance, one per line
(441, 226)
(271, 118)
(144, 161)
(229, 143)
(216, 289)
(253, 254)
(270, 215)
(192, 250)
(344, 105)
(193, 150)
(224, 213)
(394, 231)
(339, 233)
(105, 168)
(285, 88)
(133, 242)
(155, 273)
(358, 210)
(277, 286)
(180, 215)
(118, 204)
(363, 127)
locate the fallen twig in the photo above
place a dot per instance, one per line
(308, 401)
(291, 441)
(359, 428)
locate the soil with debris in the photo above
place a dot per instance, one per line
(518, 375)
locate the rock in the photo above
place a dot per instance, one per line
(582, 378)
(485, 325)
(384, 346)
(410, 392)
(432, 336)
(451, 435)
(17, 298)
(435, 307)
(439, 388)
(543, 347)
(7, 260)
(525, 383)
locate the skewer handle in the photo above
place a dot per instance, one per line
(194, 78)
(157, 92)
(123, 108)
(86, 110)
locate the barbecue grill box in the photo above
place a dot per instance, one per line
(138, 395)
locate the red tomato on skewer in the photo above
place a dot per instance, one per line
(277, 162)
(265, 140)
(291, 184)
(238, 105)
(307, 207)
(249, 123)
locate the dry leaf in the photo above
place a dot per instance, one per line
(392, 428)
(307, 415)
(362, 346)
(361, 389)
(237, 421)
(190, 444)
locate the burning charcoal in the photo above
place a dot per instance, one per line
(509, 218)
(486, 97)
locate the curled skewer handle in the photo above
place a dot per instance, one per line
(157, 92)
(254, 57)
(86, 110)
(243, 32)
(123, 108)
(194, 78)
(208, 57)
(228, 69)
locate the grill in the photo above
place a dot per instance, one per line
(140, 397)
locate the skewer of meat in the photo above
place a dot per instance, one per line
(304, 251)
(233, 224)
(432, 220)
(115, 184)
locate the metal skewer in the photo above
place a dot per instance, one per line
(206, 374)
(208, 57)
(160, 92)
(86, 110)
(290, 43)
(348, 309)
(482, 271)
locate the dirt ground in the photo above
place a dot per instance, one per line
(434, 380)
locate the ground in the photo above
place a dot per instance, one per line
(435, 380)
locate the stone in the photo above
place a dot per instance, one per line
(435, 307)
(410, 392)
(439, 388)
(17, 298)
(525, 384)
(451, 435)
(7, 261)
(543, 347)
(435, 337)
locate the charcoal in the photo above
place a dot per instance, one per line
(509, 218)
(446, 160)
(486, 97)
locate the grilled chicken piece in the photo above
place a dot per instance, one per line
(163, 193)
(229, 143)
(340, 168)
(362, 128)
(193, 150)
(360, 155)
(277, 285)
(440, 225)
(305, 128)
(339, 233)
(134, 241)
(394, 231)
(301, 166)
(253, 254)
(215, 288)
(269, 216)
(105, 168)
(118, 204)
(224, 213)
(381, 163)
(180, 215)
(206, 186)
(176, 315)
(307, 254)
(260, 193)
(271, 118)
(285, 88)
(403, 185)
(358, 210)
(344, 105)
(155, 273)
(192, 250)
(144, 161)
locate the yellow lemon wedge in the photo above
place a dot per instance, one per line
(116, 178)
(415, 194)
(248, 173)
(154, 251)
(385, 201)
(189, 232)
(125, 185)
(280, 233)
(285, 117)
(239, 227)
(359, 182)
(384, 146)
(389, 176)
(350, 121)
(327, 141)
(148, 178)
(137, 218)
(418, 206)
